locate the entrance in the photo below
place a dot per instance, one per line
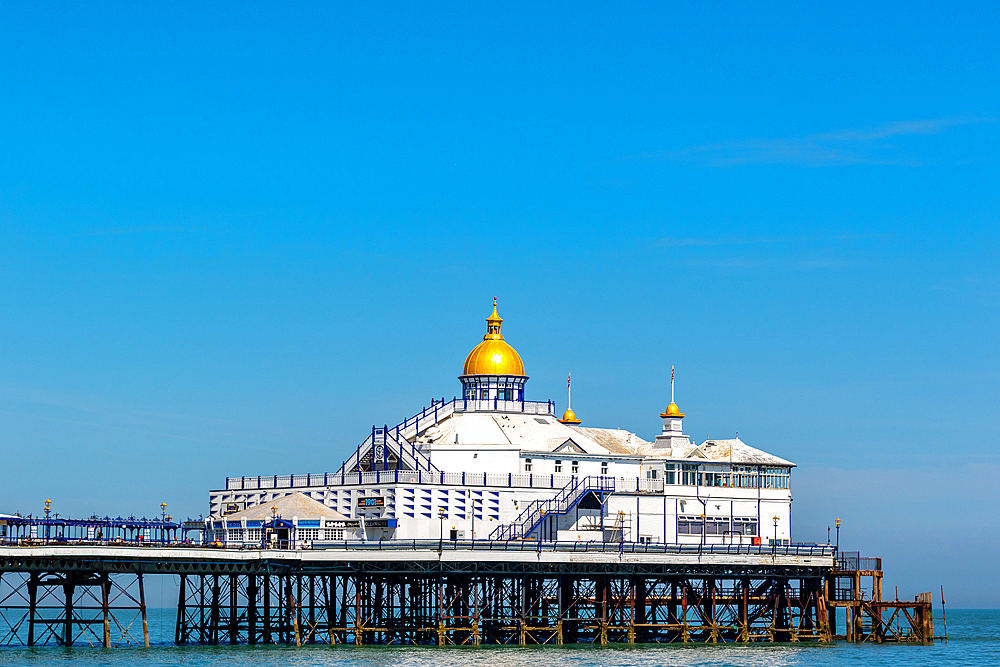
(277, 538)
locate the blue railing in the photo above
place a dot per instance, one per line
(562, 502)
(573, 547)
(399, 436)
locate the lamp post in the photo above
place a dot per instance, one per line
(838, 535)
(48, 507)
(274, 521)
(776, 517)
(441, 514)
(703, 530)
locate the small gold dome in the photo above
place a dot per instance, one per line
(493, 356)
(672, 411)
(569, 417)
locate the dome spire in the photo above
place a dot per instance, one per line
(493, 323)
(569, 417)
(672, 409)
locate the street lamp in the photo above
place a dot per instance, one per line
(441, 514)
(48, 506)
(703, 529)
(838, 534)
(163, 511)
(776, 517)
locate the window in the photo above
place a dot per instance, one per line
(688, 473)
(651, 473)
(688, 525)
(235, 534)
(253, 534)
(669, 476)
(646, 539)
(745, 526)
(308, 534)
(334, 533)
(558, 465)
(604, 467)
(502, 394)
(527, 465)
(575, 467)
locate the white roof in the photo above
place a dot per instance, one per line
(527, 432)
(544, 433)
(722, 451)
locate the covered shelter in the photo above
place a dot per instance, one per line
(293, 521)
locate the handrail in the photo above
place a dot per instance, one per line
(824, 551)
(567, 498)
(401, 435)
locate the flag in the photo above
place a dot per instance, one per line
(671, 375)
(569, 380)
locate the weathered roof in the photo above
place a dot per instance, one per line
(544, 433)
(536, 433)
(731, 450)
(295, 505)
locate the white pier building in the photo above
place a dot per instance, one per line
(492, 465)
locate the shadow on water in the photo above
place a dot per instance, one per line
(974, 640)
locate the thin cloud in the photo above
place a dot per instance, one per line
(841, 147)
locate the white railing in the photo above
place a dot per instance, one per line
(414, 477)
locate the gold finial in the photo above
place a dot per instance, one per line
(493, 356)
(493, 324)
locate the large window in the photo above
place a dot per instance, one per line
(744, 526)
(558, 465)
(688, 473)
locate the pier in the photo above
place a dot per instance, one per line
(443, 592)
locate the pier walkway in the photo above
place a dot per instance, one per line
(428, 592)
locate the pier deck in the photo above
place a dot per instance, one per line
(426, 592)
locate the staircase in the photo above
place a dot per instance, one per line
(410, 458)
(563, 502)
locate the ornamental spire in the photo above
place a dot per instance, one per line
(493, 324)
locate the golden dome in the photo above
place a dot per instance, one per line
(493, 356)
(672, 411)
(569, 417)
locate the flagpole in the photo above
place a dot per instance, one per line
(671, 384)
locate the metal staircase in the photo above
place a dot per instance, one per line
(382, 445)
(567, 498)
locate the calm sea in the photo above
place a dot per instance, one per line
(974, 640)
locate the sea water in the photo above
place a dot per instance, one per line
(974, 639)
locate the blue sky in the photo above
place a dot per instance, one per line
(232, 238)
